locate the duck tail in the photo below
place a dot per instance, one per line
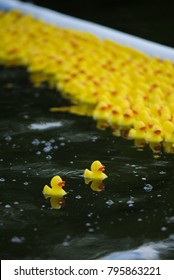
(87, 173)
(47, 190)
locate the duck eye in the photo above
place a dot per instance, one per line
(126, 115)
(115, 112)
(158, 131)
(103, 107)
(143, 128)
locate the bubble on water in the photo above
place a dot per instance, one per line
(26, 183)
(90, 214)
(88, 224)
(130, 202)
(170, 220)
(90, 230)
(47, 143)
(2, 180)
(78, 196)
(1, 159)
(38, 153)
(162, 172)
(71, 162)
(139, 219)
(163, 228)
(49, 157)
(148, 188)
(109, 202)
(47, 149)
(35, 142)
(52, 140)
(62, 144)
(94, 138)
(7, 206)
(16, 202)
(13, 180)
(17, 239)
(144, 179)
(24, 171)
(65, 243)
(8, 138)
(55, 147)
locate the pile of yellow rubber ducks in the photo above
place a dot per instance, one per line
(121, 88)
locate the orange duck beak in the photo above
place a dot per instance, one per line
(61, 184)
(102, 168)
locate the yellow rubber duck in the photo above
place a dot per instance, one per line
(139, 130)
(154, 135)
(96, 172)
(56, 187)
(168, 128)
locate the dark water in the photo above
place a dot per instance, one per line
(133, 218)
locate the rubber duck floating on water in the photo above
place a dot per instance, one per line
(56, 188)
(96, 172)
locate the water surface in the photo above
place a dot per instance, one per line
(132, 218)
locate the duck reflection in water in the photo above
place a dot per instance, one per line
(57, 202)
(96, 185)
(55, 192)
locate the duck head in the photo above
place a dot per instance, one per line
(57, 181)
(96, 166)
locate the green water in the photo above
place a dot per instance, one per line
(132, 218)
